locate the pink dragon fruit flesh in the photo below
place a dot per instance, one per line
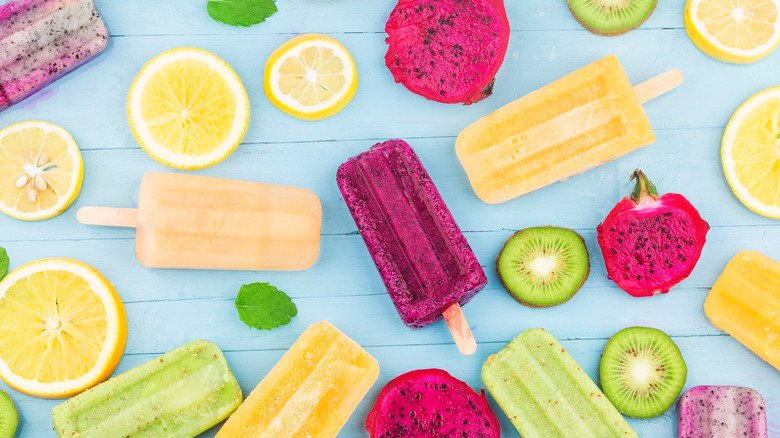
(431, 403)
(651, 243)
(447, 50)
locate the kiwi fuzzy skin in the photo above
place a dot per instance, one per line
(609, 33)
(534, 305)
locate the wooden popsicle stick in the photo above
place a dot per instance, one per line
(654, 87)
(460, 329)
(110, 217)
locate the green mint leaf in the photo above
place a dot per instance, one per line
(264, 307)
(3, 263)
(241, 12)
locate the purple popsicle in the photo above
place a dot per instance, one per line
(42, 40)
(420, 252)
(722, 412)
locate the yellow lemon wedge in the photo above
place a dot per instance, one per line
(737, 31)
(62, 328)
(311, 77)
(40, 170)
(751, 153)
(188, 109)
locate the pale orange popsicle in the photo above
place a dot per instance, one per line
(311, 392)
(574, 124)
(745, 303)
(196, 222)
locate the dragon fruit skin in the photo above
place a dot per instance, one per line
(651, 243)
(432, 403)
(722, 412)
(447, 50)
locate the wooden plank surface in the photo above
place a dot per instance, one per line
(168, 308)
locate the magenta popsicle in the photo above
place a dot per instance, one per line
(420, 252)
(722, 412)
(42, 40)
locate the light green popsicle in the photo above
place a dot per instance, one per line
(546, 394)
(179, 394)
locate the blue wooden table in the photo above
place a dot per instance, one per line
(168, 308)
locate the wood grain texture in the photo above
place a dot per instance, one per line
(168, 308)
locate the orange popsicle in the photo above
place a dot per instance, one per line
(576, 123)
(197, 222)
(311, 392)
(745, 303)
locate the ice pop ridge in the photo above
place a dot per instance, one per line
(546, 394)
(197, 222)
(745, 303)
(42, 40)
(722, 412)
(311, 392)
(180, 394)
(572, 125)
(423, 258)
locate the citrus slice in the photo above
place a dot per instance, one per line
(188, 108)
(40, 170)
(311, 77)
(751, 153)
(62, 328)
(738, 31)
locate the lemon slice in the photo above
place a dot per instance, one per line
(311, 77)
(40, 170)
(188, 108)
(738, 31)
(751, 153)
(62, 328)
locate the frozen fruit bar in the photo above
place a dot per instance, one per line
(546, 394)
(574, 124)
(180, 394)
(311, 392)
(197, 222)
(42, 40)
(745, 303)
(421, 254)
(722, 412)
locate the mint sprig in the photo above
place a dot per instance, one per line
(3, 263)
(241, 12)
(264, 307)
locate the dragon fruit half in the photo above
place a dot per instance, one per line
(432, 403)
(447, 50)
(651, 243)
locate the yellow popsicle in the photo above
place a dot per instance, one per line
(574, 124)
(745, 303)
(197, 222)
(310, 393)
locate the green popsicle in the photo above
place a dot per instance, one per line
(546, 394)
(179, 394)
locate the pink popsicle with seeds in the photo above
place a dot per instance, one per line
(42, 40)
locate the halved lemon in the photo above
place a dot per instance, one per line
(311, 77)
(188, 109)
(62, 328)
(738, 31)
(751, 153)
(40, 170)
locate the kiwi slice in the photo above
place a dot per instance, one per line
(611, 17)
(642, 372)
(9, 418)
(543, 266)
